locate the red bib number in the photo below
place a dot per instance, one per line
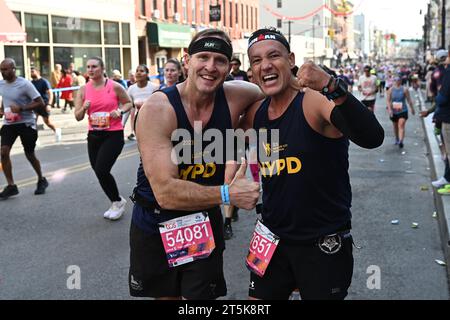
(99, 120)
(262, 248)
(11, 116)
(187, 238)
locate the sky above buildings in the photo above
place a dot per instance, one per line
(401, 17)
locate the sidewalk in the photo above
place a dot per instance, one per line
(442, 202)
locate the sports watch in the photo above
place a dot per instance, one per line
(340, 89)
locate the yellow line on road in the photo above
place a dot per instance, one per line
(70, 170)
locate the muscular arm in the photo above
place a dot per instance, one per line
(123, 96)
(157, 121)
(50, 96)
(240, 96)
(36, 103)
(80, 111)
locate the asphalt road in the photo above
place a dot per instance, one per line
(42, 236)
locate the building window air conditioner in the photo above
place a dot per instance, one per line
(155, 14)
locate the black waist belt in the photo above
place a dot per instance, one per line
(313, 242)
(143, 202)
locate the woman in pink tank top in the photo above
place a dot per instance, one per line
(104, 101)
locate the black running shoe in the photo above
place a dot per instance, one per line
(41, 186)
(227, 232)
(235, 215)
(400, 145)
(9, 191)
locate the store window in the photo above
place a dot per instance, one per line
(36, 27)
(125, 33)
(79, 56)
(112, 60)
(18, 16)
(16, 52)
(76, 30)
(39, 58)
(111, 32)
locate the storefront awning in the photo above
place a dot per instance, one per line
(167, 35)
(10, 28)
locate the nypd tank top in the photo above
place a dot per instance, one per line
(306, 190)
(208, 174)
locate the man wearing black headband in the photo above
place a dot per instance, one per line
(306, 192)
(170, 196)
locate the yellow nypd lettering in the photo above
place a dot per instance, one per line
(192, 172)
(292, 165)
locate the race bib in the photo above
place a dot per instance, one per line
(11, 116)
(262, 247)
(99, 120)
(397, 106)
(187, 238)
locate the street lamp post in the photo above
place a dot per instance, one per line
(289, 22)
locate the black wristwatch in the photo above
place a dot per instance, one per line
(340, 89)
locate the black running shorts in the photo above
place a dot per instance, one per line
(42, 111)
(397, 116)
(317, 275)
(27, 134)
(150, 275)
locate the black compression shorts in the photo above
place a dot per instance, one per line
(150, 275)
(317, 275)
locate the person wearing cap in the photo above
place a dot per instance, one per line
(179, 197)
(435, 86)
(438, 73)
(367, 85)
(303, 238)
(396, 99)
(442, 116)
(236, 72)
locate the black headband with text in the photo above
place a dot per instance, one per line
(268, 35)
(211, 44)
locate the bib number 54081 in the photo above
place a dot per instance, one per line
(181, 236)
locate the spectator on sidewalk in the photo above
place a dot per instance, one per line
(435, 86)
(442, 114)
(54, 81)
(66, 82)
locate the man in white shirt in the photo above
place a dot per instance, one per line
(367, 85)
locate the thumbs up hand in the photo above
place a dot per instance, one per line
(244, 193)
